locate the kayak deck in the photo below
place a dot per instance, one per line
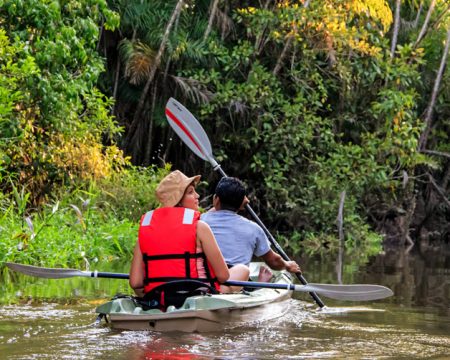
(204, 312)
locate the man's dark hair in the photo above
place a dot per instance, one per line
(231, 192)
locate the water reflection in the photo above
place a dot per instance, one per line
(415, 323)
(417, 279)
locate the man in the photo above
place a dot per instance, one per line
(240, 239)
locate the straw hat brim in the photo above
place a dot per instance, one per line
(171, 189)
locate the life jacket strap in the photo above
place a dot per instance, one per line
(173, 256)
(187, 256)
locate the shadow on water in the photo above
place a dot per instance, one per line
(415, 323)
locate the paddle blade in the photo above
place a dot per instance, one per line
(189, 130)
(46, 273)
(348, 292)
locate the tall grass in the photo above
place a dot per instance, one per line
(96, 222)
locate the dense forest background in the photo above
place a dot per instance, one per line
(336, 114)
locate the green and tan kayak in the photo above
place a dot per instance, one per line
(202, 313)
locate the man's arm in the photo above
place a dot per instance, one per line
(276, 262)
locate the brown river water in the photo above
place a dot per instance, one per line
(56, 319)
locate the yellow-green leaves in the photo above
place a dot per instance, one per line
(378, 10)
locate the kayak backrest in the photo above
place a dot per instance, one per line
(176, 292)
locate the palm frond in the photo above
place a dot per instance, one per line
(406, 26)
(238, 107)
(193, 89)
(137, 17)
(138, 58)
(186, 49)
(224, 23)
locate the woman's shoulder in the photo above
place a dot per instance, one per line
(202, 226)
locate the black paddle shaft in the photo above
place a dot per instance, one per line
(275, 244)
(109, 275)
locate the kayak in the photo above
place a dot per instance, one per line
(207, 312)
(203, 313)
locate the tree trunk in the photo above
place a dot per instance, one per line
(340, 223)
(212, 15)
(396, 27)
(425, 24)
(142, 99)
(116, 85)
(428, 115)
(149, 142)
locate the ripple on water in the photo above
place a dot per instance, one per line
(53, 331)
(29, 312)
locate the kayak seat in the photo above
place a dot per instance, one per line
(175, 293)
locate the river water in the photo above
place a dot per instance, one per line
(55, 319)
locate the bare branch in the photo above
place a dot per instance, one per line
(438, 189)
(286, 47)
(438, 153)
(212, 15)
(340, 222)
(428, 115)
(425, 24)
(419, 12)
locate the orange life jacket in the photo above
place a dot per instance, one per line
(167, 239)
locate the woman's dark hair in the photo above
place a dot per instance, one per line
(231, 192)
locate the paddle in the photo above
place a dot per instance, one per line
(191, 132)
(339, 292)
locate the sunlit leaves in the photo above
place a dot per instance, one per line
(378, 10)
(48, 76)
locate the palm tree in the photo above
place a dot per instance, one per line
(145, 61)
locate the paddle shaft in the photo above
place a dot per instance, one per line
(108, 275)
(362, 292)
(272, 240)
(253, 284)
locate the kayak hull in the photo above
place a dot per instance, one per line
(203, 313)
(199, 320)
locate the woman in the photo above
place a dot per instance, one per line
(175, 244)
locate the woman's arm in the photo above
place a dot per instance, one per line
(137, 272)
(212, 251)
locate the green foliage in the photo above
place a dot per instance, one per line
(131, 193)
(339, 115)
(302, 103)
(80, 228)
(52, 116)
(63, 236)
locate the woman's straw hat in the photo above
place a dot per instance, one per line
(171, 189)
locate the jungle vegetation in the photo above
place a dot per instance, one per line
(323, 108)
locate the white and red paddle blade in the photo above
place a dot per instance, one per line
(189, 129)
